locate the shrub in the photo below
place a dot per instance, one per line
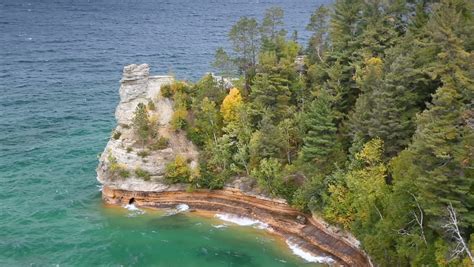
(154, 126)
(113, 165)
(178, 120)
(178, 171)
(117, 169)
(116, 135)
(160, 144)
(129, 149)
(166, 90)
(151, 105)
(124, 173)
(144, 153)
(139, 172)
(170, 90)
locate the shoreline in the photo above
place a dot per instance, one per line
(299, 231)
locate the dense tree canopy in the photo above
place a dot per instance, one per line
(371, 126)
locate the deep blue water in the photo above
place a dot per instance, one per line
(60, 65)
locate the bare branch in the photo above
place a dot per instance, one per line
(419, 219)
(452, 228)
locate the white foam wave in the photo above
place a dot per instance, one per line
(134, 210)
(306, 255)
(178, 209)
(243, 221)
(182, 207)
(219, 226)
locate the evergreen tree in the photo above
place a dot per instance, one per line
(271, 28)
(319, 141)
(270, 93)
(318, 24)
(224, 63)
(443, 142)
(369, 79)
(141, 123)
(245, 39)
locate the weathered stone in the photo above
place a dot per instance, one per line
(137, 86)
(301, 219)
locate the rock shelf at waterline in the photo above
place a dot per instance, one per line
(310, 240)
(237, 202)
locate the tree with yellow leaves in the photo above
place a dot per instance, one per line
(231, 104)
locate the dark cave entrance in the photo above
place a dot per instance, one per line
(131, 201)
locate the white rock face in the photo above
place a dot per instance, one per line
(137, 86)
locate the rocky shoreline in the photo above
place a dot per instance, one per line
(302, 230)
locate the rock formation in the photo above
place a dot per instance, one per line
(137, 86)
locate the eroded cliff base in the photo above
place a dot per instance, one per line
(301, 229)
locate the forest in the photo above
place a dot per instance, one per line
(369, 125)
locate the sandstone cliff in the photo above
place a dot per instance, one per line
(137, 86)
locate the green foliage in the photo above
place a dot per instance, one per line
(116, 135)
(139, 172)
(117, 169)
(124, 173)
(178, 120)
(151, 105)
(143, 153)
(318, 24)
(271, 27)
(178, 171)
(374, 132)
(206, 124)
(359, 196)
(267, 174)
(244, 37)
(160, 144)
(320, 129)
(224, 63)
(166, 90)
(270, 93)
(141, 123)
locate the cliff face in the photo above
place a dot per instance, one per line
(137, 86)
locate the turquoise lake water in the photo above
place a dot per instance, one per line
(60, 66)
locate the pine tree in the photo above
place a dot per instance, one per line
(442, 145)
(141, 122)
(319, 141)
(271, 28)
(368, 79)
(270, 93)
(318, 24)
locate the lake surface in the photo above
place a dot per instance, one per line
(60, 66)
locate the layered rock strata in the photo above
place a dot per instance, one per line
(285, 221)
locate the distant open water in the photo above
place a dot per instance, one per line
(60, 66)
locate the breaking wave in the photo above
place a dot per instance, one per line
(306, 255)
(243, 221)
